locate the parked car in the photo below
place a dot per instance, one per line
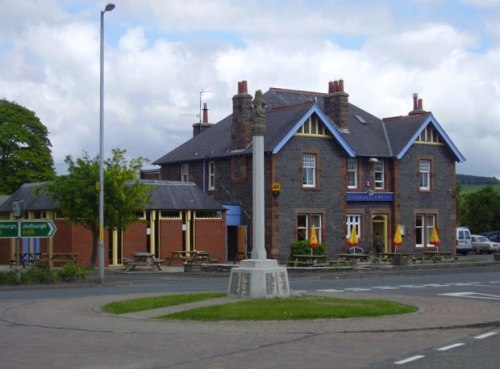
(464, 241)
(492, 236)
(482, 244)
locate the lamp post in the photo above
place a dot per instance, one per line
(108, 8)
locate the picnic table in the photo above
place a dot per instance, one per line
(24, 258)
(142, 259)
(308, 260)
(353, 258)
(395, 257)
(435, 255)
(59, 258)
(191, 257)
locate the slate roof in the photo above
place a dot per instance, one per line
(166, 195)
(368, 135)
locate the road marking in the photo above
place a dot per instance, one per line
(411, 286)
(357, 289)
(485, 335)
(472, 295)
(329, 290)
(446, 348)
(409, 360)
(385, 288)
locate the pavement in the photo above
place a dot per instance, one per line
(94, 339)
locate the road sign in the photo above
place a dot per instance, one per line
(9, 229)
(37, 228)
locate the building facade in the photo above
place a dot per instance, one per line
(331, 166)
(179, 216)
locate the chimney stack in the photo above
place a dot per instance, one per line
(201, 126)
(241, 129)
(418, 106)
(336, 105)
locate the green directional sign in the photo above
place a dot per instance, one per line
(9, 229)
(37, 228)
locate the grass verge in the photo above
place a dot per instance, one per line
(294, 308)
(148, 303)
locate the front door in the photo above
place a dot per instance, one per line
(379, 229)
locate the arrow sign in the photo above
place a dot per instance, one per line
(9, 229)
(37, 228)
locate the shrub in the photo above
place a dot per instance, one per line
(38, 275)
(303, 248)
(70, 272)
(7, 278)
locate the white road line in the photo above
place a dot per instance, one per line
(409, 360)
(385, 288)
(446, 348)
(411, 286)
(330, 290)
(472, 295)
(357, 289)
(485, 335)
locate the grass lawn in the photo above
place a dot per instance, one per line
(293, 308)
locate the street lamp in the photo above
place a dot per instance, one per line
(108, 8)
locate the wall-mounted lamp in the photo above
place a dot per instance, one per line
(373, 160)
(276, 189)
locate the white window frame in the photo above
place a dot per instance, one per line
(309, 170)
(352, 173)
(312, 220)
(211, 175)
(425, 174)
(379, 175)
(185, 172)
(353, 221)
(423, 229)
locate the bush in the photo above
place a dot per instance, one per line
(71, 272)
(303, 248)
(38, 275)
(7, 278)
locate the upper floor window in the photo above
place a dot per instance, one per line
(185, 172)
(211, 175)
(352, 173)
(379, 175)
(309, 170)
(425, 175)
(305, 222)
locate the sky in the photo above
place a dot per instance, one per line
(163, 57)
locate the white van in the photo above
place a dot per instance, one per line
(464, 241)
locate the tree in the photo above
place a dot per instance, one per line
(78, 193)
(25, 154)
(482, 210)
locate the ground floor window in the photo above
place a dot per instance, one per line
(353, 221)
(305, 223)
(423, 229)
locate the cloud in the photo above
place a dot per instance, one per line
(159, 56)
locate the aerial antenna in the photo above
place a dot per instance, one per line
(201, 93)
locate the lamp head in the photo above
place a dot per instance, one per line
(109, 7)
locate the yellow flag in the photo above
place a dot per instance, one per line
(434, 237)
(353, 238)
(398, 240)
(313, 242)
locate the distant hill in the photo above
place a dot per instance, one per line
(465, 179)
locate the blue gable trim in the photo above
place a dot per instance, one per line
(441, 131)
(328, 124)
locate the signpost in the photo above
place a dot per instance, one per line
(27, 228)
(37, 228)
(9, 229)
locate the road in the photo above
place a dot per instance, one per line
(57, 327)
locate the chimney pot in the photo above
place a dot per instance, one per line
(341, 85)
(205, 113)
(415, 103)
(335, 86)
(330, 87)
(420, 104)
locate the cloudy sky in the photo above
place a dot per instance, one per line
(161, 54)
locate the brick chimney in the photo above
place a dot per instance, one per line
(418, 106)
(336, 105)
(201, 126)
(241, 129)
